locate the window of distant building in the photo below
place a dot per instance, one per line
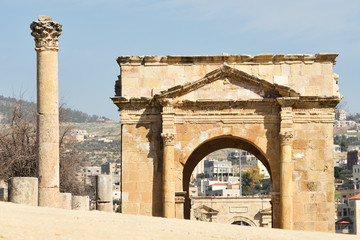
(345, 212)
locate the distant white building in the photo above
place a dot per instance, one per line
(339, 124)
(223, 189)
(263, 170)
(105, 140)
(217, 168)
(342, 115)
(88, 174)
(116, 192)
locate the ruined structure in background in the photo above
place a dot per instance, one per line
(177, 109)
(46, 33)
(248, 211)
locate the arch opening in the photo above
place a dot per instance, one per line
(212, 145)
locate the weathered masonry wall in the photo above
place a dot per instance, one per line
(255, 211)
(310, 75)
(177, 109)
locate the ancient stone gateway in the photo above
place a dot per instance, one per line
(177, 109)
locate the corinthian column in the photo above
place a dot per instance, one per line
(168, 189)
(46, 33)
(286, 196)
(286, 136)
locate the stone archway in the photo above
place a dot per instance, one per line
(209, 146)
(284, 105)
(236, 219)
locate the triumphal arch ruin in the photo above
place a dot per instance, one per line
(177, 109)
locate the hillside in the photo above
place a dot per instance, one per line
(67, 114)
(101, 141)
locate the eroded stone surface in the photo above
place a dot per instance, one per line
(80, 203)
(23, 190)
(278, 107)
(46, 33)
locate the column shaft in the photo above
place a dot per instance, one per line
(286, 199)
(168, 189)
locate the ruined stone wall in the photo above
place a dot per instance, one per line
(230, 209)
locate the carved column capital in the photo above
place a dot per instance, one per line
(46, 33)
(168, 139)
(286, 137)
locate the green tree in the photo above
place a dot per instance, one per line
(250, 179)
(337, 171)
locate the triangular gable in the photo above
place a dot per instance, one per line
(263, 88)
(206, 210)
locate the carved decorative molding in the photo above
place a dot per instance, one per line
(180, 197)
(286, 137)
(168, 139)
(231, 59)
(46, 34)
(287, 102)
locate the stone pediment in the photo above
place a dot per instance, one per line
(227, 83)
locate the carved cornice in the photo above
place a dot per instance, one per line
(302, 106)
(46, 34)
(286, 137)
(168, 139)
(287, 102)
(230, 59)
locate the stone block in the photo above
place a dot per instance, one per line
(295, 69)
(66, 201)
(104, 193)
(105, 207)
(48, 165)
(4, 194)
(266, 70)
(285, 69)
(130, 72)
(80, 203)
(49, 197)
(281, 80)
(23, 190)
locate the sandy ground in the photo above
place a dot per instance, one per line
(26, 222)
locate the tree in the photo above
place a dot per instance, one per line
(250, 179)
(18, 151)
(342, 141)
(337, 171)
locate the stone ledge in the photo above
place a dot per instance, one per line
(230, 59)
(28, 222)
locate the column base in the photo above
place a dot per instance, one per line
(49, 197)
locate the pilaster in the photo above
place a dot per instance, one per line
(168, 137)
(285, 137)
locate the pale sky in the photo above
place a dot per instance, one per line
(96, 32)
